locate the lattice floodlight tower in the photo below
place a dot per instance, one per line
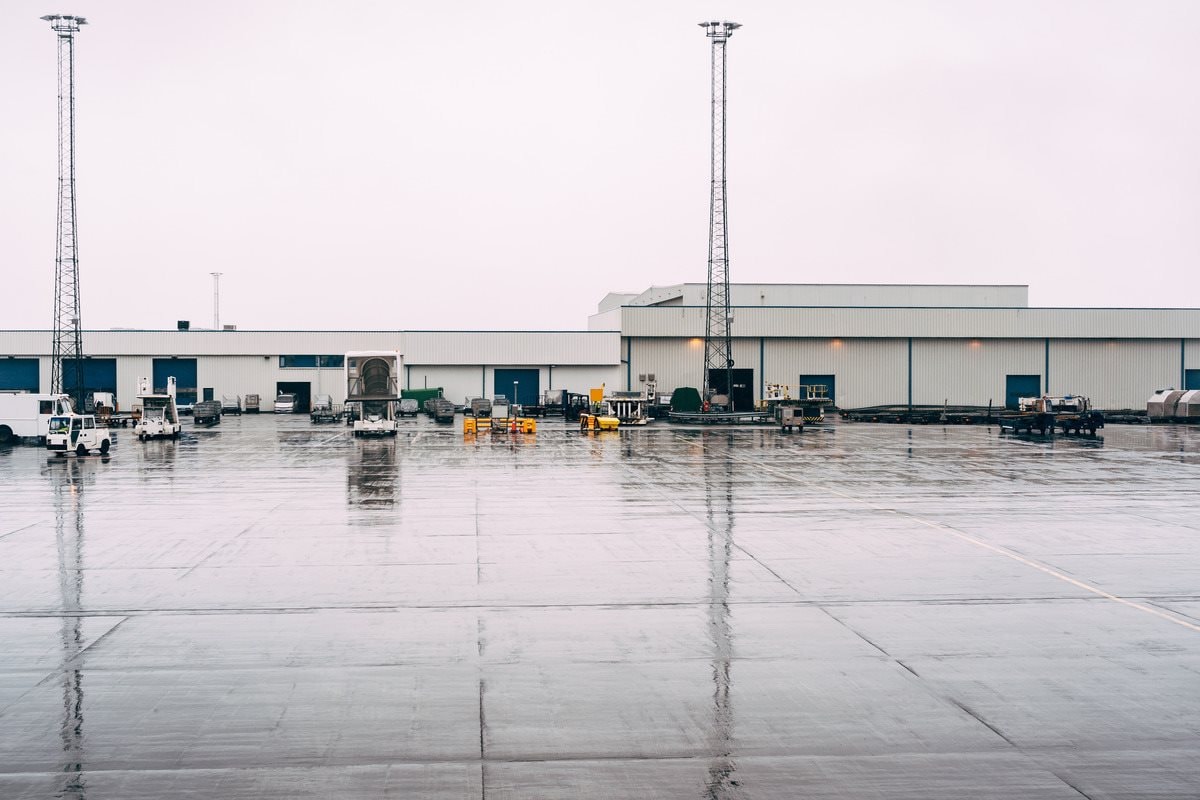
(68, 336)
(718, 349)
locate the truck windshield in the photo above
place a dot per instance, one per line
(154, 412)
(59, 424)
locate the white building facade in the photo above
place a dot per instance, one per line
(872, 345)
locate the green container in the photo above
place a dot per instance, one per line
(685, 400)
(420, 395)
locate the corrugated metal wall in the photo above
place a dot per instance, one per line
(925, 323)
(971, 371)
(581, 379)
(680, 362)
(1120, 373)
(512, 348)
(869, 372)
(1191, 352)
(1116, 373)
(418, 347)
(458, 382)
(854, 294)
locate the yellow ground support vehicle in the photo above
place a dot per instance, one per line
(472, 425)
(599, 416)
(598, 422)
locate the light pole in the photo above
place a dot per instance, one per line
(216, 299)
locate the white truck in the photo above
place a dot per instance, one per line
(160, 415)
(78, 434)
(26, 415)
(373, 391)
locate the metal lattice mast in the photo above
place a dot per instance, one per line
(718, 345)
(68, 336)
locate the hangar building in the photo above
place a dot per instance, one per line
(871, 344)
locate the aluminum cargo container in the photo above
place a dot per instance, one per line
(1161, 404)
(1188, 406)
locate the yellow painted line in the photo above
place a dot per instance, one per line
(978, 543)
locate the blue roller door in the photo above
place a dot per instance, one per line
(184, 372)
(528, 390)
(99, 375)
(20, 374)
(828, 381)
(1018, 386)
(1191, 379)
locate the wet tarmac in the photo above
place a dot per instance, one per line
(272, 609)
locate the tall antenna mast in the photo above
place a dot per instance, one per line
(67, 347)
(718, 346)
(216, 300)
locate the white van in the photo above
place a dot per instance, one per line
(27, 415)
(285, 404)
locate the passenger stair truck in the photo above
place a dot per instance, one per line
(160, 416)
(26, 415)
(373, 391)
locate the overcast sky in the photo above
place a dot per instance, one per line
(504, 165)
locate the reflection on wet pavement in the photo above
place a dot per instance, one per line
(266, 609)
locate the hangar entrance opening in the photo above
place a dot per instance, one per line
(742, 394)
(183, 370)
(1018, 386)
(302, 390)
(828, 381)
(99, 375)
(19, 374)
(528, 390)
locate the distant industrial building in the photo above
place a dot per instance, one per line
(870, 344)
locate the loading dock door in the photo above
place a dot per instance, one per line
(742, 396)
(528, 390)
(828, 381)
(302, 390)
(19, 374)
(1018, 386)
(1191, 379)
(183, 370)
(99, 375)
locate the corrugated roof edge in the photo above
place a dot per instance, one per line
(952, 308)
(287, 330)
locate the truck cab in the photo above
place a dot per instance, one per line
(77, 433)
